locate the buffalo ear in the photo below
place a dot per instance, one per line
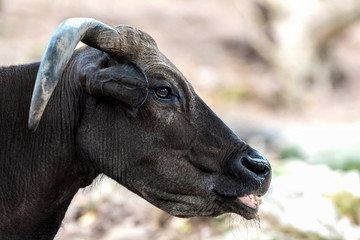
(125, 82)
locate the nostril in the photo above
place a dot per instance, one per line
(258, 167)
(250, 162)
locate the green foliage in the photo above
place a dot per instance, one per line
(220, 220)
(185, 228)
(348, 205)
(291, 152)
(346, 164)
(342, 159)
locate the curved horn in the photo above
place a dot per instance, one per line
(59, 51)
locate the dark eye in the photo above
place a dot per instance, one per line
(163, 92)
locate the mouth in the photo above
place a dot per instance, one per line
(250, 200)
(246, 205)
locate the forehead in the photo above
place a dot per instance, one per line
(166, 73)
(162, 69)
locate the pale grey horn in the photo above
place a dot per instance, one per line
(58, 53)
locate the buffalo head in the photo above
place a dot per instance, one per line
(142, 124)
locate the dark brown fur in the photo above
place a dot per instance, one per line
(174, 152)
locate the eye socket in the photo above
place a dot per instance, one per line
(163, 92)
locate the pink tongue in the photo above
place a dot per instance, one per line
(250, 200)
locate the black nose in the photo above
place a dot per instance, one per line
(251, 162)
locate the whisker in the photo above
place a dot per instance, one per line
(244, 229)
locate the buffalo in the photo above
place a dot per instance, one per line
(116, 107)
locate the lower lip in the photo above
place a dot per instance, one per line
(246, 211)
(239, 206)
(250, 200)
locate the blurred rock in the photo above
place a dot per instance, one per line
(299, 202)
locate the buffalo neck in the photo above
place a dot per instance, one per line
(37, 189)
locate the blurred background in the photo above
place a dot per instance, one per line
(283, 75)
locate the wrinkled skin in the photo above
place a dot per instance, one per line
(180, 160)
(138, 122)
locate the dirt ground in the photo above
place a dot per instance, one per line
(204, 39)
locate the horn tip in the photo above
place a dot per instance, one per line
(32, 125)
(34, 120)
